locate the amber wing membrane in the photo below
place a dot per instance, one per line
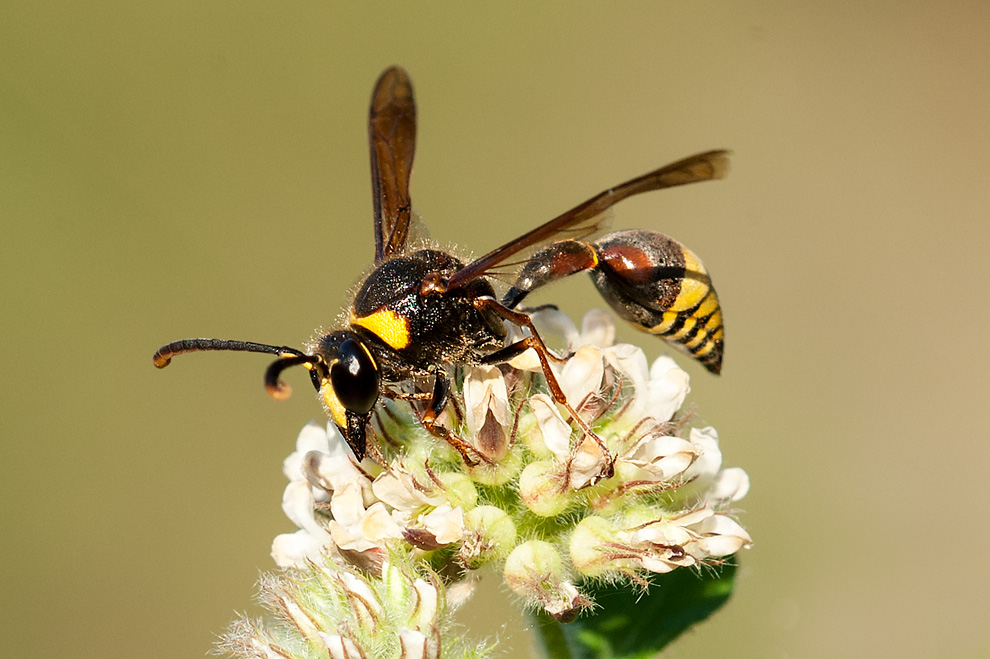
(590, 217)
(392, 138)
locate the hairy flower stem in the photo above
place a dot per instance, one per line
(550, 635)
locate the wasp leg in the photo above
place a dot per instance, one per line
(408, 395)
(549, 306)
(543, 353)
(513, 350)
(437, 402)
(373, 448)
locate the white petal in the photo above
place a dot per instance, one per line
(332, 472)
(337, 443)
(582, 375)
(653, 448)
(355, 585)
(695, 517)
(347, 504)
(660, 533)
(555, 323)
(295, 549)
(597, 329)
(427, 606)
(397, 488)
(722, 536)
(709, 459)
(416, 644)
(349, 537)
(484, 391)
(663, 457)
(312, 437)
(340, 647)
(730, 485)
(587, 465)
(721, 525)
(460, 592)
(377, 524)
(655, 564)
(669, 385)
(445, 523)
(527, 361)
(672, 465)
(369, 531)
(723, 545)
(556, 433)
(297, 503)
(631, 362)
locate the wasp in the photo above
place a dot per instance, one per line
(421, 310)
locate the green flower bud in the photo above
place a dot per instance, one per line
(542, 488)
(535, 571)
(490, 535)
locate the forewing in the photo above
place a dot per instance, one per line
(392, 138)
(592, 216)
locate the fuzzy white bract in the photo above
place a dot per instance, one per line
(657, 500)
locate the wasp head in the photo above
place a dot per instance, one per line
(348, 382)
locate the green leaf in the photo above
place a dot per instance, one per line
(629, 624)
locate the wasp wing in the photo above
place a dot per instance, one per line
(591, 216)
(392, 138)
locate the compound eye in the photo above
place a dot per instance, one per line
(354, 377)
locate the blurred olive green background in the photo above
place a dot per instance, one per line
(200, 169)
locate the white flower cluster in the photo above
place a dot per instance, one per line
(382, 550)
(358, 510)
(647, 495)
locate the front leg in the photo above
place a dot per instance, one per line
(545, 355)
(435, 406)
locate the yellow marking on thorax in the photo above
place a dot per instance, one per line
(387, 325)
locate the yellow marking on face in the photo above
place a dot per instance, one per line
(387, 325)
(333, 405)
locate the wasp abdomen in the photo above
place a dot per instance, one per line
(557, 260)
(658, 284)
